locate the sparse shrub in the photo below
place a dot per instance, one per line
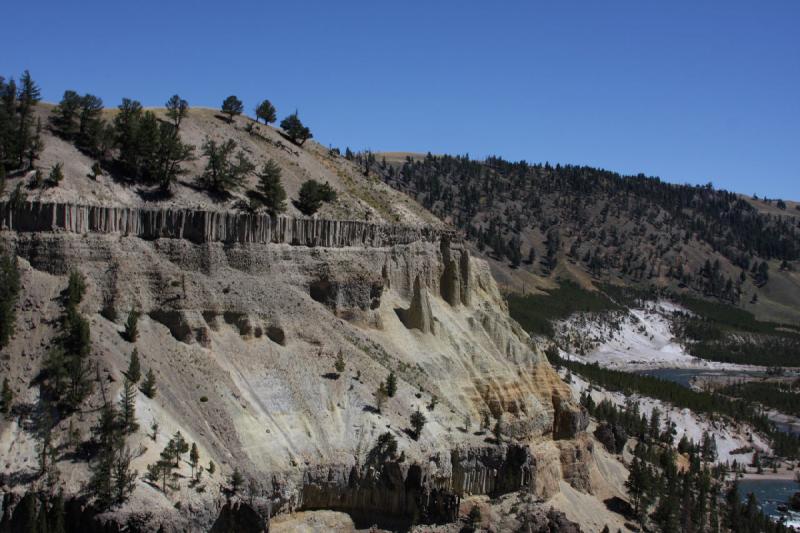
(339, 365)
(434, 402)
(380, 396)
(203, 399)
(474, 517)
(498, 431)
(97, 171)
(109, 310)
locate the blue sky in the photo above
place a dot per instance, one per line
(686, 90)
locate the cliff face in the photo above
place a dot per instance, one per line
(242, 319)
(202, 226)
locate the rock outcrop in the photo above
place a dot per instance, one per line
(419, 315)
(201, 226)
(568, 419)
(454, 286)
(239, 517)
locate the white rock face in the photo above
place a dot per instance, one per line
(633, 339)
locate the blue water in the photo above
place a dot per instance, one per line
(684, 376)
(771, 493)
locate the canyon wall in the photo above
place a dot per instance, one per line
(243, 339)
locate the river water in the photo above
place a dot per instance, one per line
(684, 376)
(770, 494)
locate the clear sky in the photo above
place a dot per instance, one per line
(692, 91)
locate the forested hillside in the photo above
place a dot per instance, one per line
(634, 229)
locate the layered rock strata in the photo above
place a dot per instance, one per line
(243, 317)
(202, 226)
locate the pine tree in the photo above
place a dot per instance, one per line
(194, 457)
(236, 480)
(312, 195)
(55, 523)
(380, 396)
(654, 431)
(64, 116)
(29, 96)
(127, 135)
(148, 386)
(106, 434)
(127, 407)
(169, 155)
(67, 367)
(9, 289)
(295, 130)
(266, 112)
(391, 385)
(77, 345)
(44, 441)
(273, 195)
(638, 486)
(418, 421)
(515, 251)
(25, 514)
(180, 446)
(166, 464)
(134, 372)
(232, 106)
(7, 397)
(76, 288)
(123, 478)
(132, 326)
(474, 517)
(56, 175)
(36, 144)
(91, 127)
(177, 110)
(222, 172)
